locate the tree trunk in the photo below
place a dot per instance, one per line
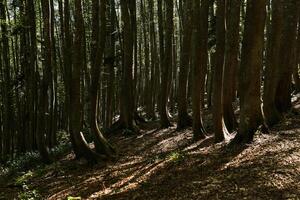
(164, 119)
(219, 126)
(199, 63)
(271, 114)
(126, 104)
(184, 119)
(288, 40)
(97, 50)
(251, 65)
(231, 62)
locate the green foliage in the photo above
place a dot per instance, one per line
(31, 160)
(24, 161)
(176, 156)
(28, 194)
(24, 178)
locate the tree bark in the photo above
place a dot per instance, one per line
(231, 62)
(164, 119)
(251, 65)
(219, 126)
(184, 119)
(271, 114)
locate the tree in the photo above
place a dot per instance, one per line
(80, 145)
(8, 123)
(127, 109)
(44, 82)
(219, 126)
(251, 65)
(97, 50)
(199, 63)
(287, 42)
(184, 119)
(271, 114)
(167, 61)
(231, 62)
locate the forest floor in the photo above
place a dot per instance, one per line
(167, 164)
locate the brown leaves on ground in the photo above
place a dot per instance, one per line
(165, 164)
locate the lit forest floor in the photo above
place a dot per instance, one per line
(165, 164)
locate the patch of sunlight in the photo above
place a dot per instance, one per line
(74, 198)
(136, 179)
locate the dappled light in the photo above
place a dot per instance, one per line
(149, 99)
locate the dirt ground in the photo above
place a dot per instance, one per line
(167, 164)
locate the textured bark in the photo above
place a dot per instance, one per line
(251, 65)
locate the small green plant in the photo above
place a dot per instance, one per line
(176, 156)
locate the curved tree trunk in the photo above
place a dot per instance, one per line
(97, 50)
(82, 148)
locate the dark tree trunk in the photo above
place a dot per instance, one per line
(219, 126)
(184, 119)
(164, 118)
(231, 62)
(251, 65)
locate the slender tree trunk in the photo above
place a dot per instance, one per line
(219, 126)
(184, 119)
(127, 112)
(8, 125)
(231, 62)
(199, 64)
(271, 114)
(164, 119)
(44, 82)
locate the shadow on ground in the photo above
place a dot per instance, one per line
(165, 164)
